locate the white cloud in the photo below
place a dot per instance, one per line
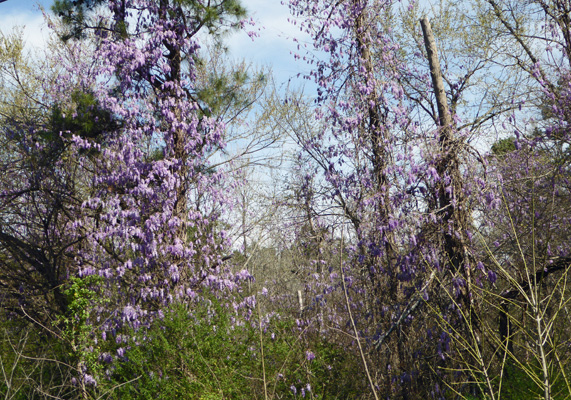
(275, 43)
(34, 27)
(272, 48)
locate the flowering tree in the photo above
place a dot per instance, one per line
(407, 244)
(408, 194)
(123, 185)
(366, 151)
(152, 220)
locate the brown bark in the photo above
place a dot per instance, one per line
(379, 137)
(451, 201)
(452, 209)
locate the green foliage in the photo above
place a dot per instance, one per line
(215, 16)
(203, 354)
(185, 355)
(332, 374)
(503, 146)
(223, 92)
(33, 363)
(77, 326)
(83, 117)
(73, 15)
(518, 384)
(224, 89)
(11, 363)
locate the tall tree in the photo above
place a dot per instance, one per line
(41, 189)
(365, 150)
(153, 220)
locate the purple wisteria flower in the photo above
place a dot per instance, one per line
(309, 355)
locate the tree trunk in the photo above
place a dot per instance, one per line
(451, 208)
(378, 136)
(451, 199)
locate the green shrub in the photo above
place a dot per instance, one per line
(203, 355)
(35, 364)
(517, 384)
(181, 356)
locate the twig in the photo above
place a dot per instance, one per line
(262, 351)
(408, 310)
(354, 327)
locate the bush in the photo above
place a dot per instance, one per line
(204, 354)
(183, 355)
(34, 364)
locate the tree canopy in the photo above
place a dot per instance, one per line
(175, 223)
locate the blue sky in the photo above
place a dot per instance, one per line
(271, 49)
(25, 13)
(15, 6)
(275, 43)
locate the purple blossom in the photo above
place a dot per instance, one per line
(89, 380)
(309, 355)
(492, 277)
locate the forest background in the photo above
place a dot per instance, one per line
(387, 216)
